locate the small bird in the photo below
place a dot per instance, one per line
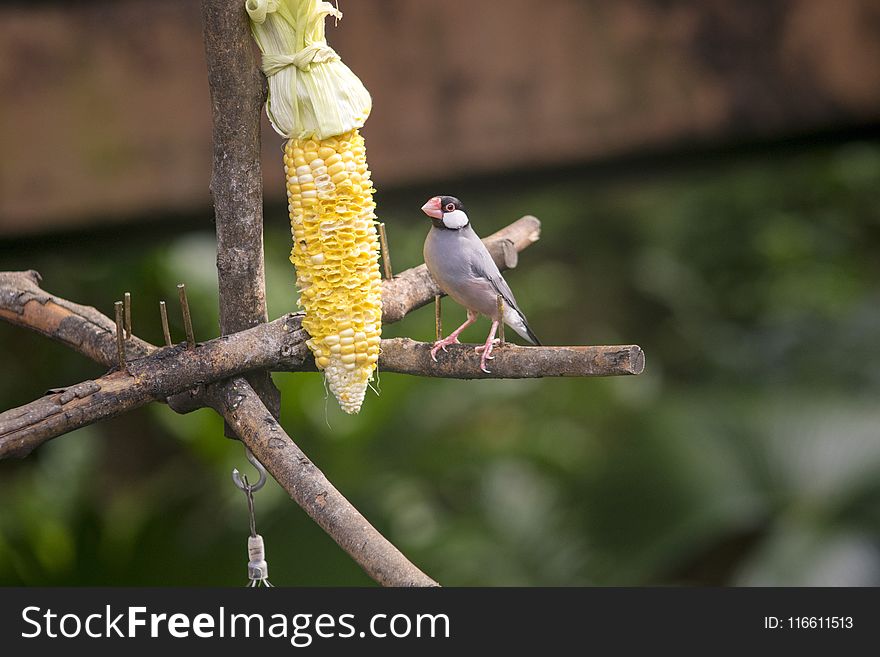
(461, 266)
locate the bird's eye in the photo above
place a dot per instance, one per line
(450, 207)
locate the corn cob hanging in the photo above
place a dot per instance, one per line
(318, 104)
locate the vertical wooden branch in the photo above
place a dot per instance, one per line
(238, 91)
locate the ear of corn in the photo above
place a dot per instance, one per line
(334, 251)
(319, 105)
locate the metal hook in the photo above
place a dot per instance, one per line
(244, 485)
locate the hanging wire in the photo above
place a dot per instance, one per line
(237, 477)
(258, 569)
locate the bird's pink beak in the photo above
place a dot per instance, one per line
(432, 208)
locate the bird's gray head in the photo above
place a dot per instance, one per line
(446, 212)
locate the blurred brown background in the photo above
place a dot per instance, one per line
(105, 104)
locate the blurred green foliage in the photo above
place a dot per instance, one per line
(747, 453)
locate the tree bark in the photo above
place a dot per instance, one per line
(238, 91)
(511, 361)
(82, 328)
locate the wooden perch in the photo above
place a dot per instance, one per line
(173, 371)
(407, 356)
(280, 346)
(161, 374)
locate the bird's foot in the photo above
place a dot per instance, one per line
(442, 344)
(481, 348)
(486, 350)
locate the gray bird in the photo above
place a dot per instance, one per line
(461, 266)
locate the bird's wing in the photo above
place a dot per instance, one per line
(483, 266)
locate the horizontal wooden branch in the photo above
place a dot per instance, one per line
(278, 345)
(162, 374)
(511, 361)
(82, 328)
(26, 427)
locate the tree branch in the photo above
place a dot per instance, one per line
(82, 328)
(24, 428)
(238, 91)
(279, 345)
(511, 361)
(161, 374)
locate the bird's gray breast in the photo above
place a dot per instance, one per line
(456, 260)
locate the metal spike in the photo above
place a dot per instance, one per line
(187, 318)
(127, 309)
(163, 312)
(386, 254)
(120, 335)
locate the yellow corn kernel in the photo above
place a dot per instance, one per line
(336, 254)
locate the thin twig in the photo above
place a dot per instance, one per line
(120, 335)
(127, 314)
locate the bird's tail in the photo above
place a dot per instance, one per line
(517, 321)
(531, 337)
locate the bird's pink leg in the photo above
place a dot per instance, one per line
(452, 338)
(486, 349)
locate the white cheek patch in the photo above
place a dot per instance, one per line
(455, 219)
